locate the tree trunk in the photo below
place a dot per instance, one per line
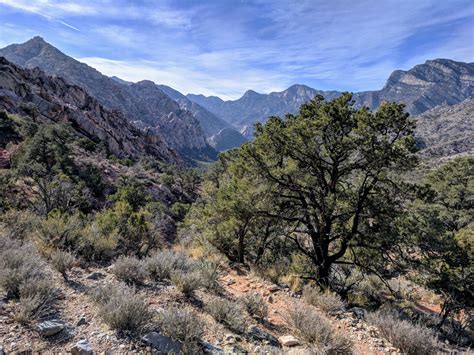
(322, 275)
(241, 248)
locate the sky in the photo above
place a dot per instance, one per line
(226, 47)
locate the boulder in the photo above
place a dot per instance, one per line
(50, 327)
(162, 343)
(288, 340)
(82, 347)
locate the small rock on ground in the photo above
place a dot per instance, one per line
(82, 347)
(288, 340)
(50, 327)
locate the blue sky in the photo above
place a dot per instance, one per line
(225, 47)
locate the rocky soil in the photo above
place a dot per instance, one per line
(73, 325)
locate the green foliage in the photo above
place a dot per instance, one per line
(442, 223)
(87, 144)
(62, 261)
(132, 192)
(326, 181)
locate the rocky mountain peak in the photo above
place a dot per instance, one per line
(137, 101)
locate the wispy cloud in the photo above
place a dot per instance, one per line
(224, 48)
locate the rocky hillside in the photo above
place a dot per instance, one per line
(436, 82)
(32, 92)
(425, 86)
(142, 101)
(447, 131)
(226, 139)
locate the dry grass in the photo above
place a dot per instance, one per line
(182, 325)
(186, 282)
(408, 337)
(255, 305)
(129, 270)
(329, 302)
(309, 327)
(122, 308)
(163, 263)
(229, 313)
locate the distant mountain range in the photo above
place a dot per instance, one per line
(437, 82)
(197, 126)
(142, 102)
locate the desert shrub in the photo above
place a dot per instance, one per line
(209, 271)
(408, 337)
(122, 308)
(370, 292)
(255, 305)
(186, 282)
(309, 327)
(23, 275)
(161, 264)
(17, 224)
(62, 261)
(227, 312)
(19, 263)
(97, 245)
(181, 325)
(129, 270)
(59, 231)
(327, 301)
(36, 299)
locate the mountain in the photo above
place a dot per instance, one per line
(226, 139)
(425, 86)
(436, 82)
(254, 107)
(447, 131)
(143, 101)
(55, 100)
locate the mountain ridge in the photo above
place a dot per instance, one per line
(128, 98)
(427, 85)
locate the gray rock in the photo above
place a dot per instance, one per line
(82, 347)
(81, 321)
(360, 313)
(50, 327)
(209, 348)
(259, 335)
(95, 276)
(162, 343)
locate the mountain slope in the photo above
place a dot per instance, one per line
(421, 88)
(436, 82)
(142, 101)
(226, 139)
(55, 100)
(447, 131)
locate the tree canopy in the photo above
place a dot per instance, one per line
(331, 174)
